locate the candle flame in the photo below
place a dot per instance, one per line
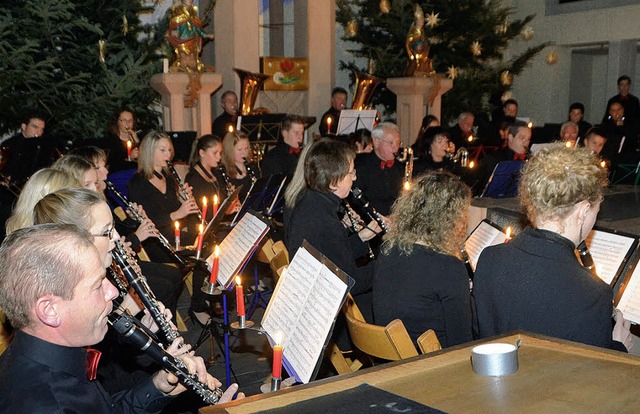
(215, 199)
(201, 228)
(329, 120)
(216, 251)
(567, 144)
(177, 224)
(204, 201)
(530, 125)
(470, 138)
(603, 164)
(278, 338)
(238, 281)
(471, 164)
(407, 185)
(509, 232)
(230, 129)
(129, 144)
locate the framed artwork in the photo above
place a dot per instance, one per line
(287, 74)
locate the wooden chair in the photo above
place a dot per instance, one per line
(428, 342)
(122, 215)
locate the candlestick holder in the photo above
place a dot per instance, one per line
(211, 289)
(275, 384)
(198, 254)
(242, 323)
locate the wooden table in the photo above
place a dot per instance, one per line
(555, 376)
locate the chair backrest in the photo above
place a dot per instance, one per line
(278, 263)
(428, 342)
(266, 253)
(391, 342)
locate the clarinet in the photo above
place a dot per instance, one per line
(369, 211)
(464, 256)
(356, 225)
(139, 218)
(126, 326)
(225, 178)
(138, 282)
(585, 257)
(184, 194)
(250, 171)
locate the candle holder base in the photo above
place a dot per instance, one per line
(211, 289)
(198, 254)
(265, 388)
(242, 323)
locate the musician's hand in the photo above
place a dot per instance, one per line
(146, 229)
(621, 331)
(370, 231)
(178, 347)
(228, 394)
(387, 220)
(134, 153)
(139, 209)
(189, 189)
(150, 323)
(188, 207)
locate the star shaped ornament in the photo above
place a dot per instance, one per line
(452, 72)
(476, 48)
(433, 19)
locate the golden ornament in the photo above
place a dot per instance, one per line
(385, 6)
(433, 19)
(125, 25)
(452, 72)
(506, 78)
(552, 57)
(102, 50)
(506, 96)
(502, 28)
(476, 48)
(352, 28)
(527, 33)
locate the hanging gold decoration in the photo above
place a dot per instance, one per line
(371, 67)
(433, 19)
(527, 33)
(125, 25)
(506, 96)
(102, 50)
(352, 28)
(385, 6)
(552, 57)
(452, 72)
(506, 78)
(502, 28)
(476, 48)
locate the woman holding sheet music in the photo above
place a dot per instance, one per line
(535, 282)
(314, 211)
(418, 278)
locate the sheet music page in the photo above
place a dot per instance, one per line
(303, 308)
(483, 236)
(608, 251)
(238, 244)
(630, 301)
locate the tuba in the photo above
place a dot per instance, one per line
(251, 84)
(366, 84)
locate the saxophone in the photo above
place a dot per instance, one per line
(127, 326)
(462, 155)
(138, 282)
(405, 155)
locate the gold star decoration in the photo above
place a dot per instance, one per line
(527, 33)
(502, 28)
(476, 48)
(433, 19)
(452, 72)
(385, 6)
(506, 78)
(506, 96)
(352, 28)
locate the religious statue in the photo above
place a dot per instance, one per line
(185, 36)
(417, 45)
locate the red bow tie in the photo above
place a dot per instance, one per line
(93, 357)
(386, 164)
(519, 157)
(294, 150)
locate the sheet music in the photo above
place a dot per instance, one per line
(608, 251)
(236, 247)
(483, 236)
(630, 301)
(303, 308)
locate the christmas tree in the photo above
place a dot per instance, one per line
(78, 63)
(468, 39)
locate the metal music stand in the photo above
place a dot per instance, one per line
(353, 119)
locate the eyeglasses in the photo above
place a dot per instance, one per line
(352, 173)
(110, 232)
(391, 143)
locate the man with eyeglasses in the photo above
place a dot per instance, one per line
(229, 103)
(379, 174)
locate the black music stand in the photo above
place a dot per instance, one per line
(504, 180)
(260, 196)
(264, 128)
(353, 119)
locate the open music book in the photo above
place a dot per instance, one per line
(238, 246)
(610, 253)
(303, 309)
(628, 298)
(484, 235)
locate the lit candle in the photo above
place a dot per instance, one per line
(508, 237)
(530, 125)
(471, 164)
(215, 266)
(176, 233)
(230, 129)
(329, 121)
(603, 164)
(129, 150)
(568, 144)
(407, 185)
(215, 204)
(200, 240)
(239, 297)
(276, 370)
(204, 210)
(470, 138)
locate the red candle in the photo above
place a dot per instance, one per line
(239, 297)
(215, 204)
(215, 266)
(506, 239)
(204, 209)
(276, 370)
(176, 233)
(200, 240)
(329, 121)
(129, 150)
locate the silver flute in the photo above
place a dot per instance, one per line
(127, 326)
(139, 218)
(138, 282)
(184, 194)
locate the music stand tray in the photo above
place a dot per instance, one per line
(504, 180)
